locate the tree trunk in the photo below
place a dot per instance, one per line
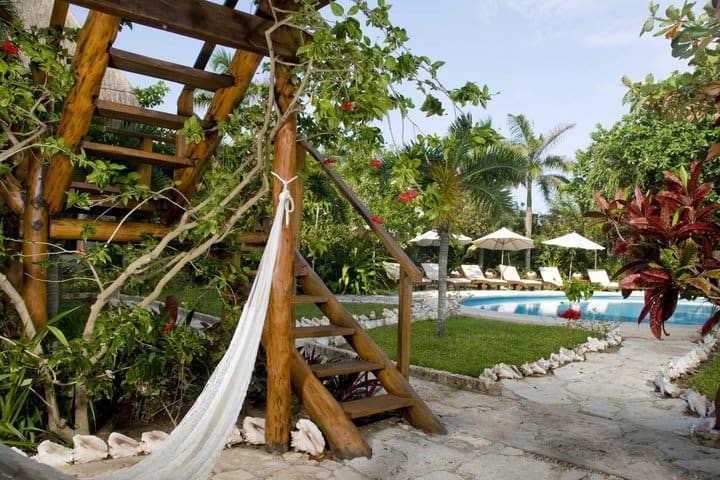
(442, 279)
(528, 220)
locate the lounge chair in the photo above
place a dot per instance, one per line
(600, 277)
(392, 271)
(432, 271)
(510, 275)
(551, 277)
(475, 274)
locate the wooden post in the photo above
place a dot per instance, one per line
(89, 65)
(35, 246)
(145, 170)
(404, 324)
(280, 312)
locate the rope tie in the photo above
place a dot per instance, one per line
(285, 200)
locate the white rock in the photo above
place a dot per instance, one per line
(526, 369)
(122, 446)
(254, 430)
(490, 374)
(89, 448)
(53, 455)
(235, 437)
(504, 370)
(555, 360)
(538, 369)
(18, 451)
(151, 441)
(544, 364)
(566, 356)
(696, 402)
(665, 385)
(307, 438)
(582, 349)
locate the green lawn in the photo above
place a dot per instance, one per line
(707, 380)
(470, 345)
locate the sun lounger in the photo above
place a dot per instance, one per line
(392, 271)
(432, 271)
(600, 277)
(510, 275)
(475, 274)
(551, 277)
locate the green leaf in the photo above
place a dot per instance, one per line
(58, 334)
(337, 9)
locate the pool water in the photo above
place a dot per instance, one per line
(597, 308)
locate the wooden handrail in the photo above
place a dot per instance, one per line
(409, 273)
(391, 245)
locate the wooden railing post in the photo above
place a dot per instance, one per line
(35, 245)
(404, 324)
(279, 324)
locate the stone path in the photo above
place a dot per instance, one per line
(599, 419)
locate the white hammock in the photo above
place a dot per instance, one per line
(193, 448)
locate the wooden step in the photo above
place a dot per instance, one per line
(302, 299)
(129, 133)
(344, 367)
(322, 331)
(134, 155)
(152, 67)
(106, 109)
(373, 405)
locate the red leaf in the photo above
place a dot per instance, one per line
(329, 160)
(9, 48)
(712, 321)
(346, 106)
(378, 220)
(376, 164)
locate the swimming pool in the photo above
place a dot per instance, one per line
(610, 308)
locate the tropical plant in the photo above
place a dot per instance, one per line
(669, 241)
(464, 166)
(541, 168)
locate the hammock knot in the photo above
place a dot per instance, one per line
(285, 200)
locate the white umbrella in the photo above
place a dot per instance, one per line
(575, 240)
(504, 239)
(432, 239)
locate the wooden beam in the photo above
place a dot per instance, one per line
(12, 194)
(404, 324)
(129, 113)
(129, 232)
(205, 21)
(281, 316)
(152, 67)
(145, 170)
(35, 246)
(130, 133)
(59, 14)
(90, 62)
(126, 154)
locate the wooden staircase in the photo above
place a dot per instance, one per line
(214, 24)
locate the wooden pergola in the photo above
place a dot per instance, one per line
(38, 199)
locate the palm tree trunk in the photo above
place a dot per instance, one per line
(442, 278)
(528, 220)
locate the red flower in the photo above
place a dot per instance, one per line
(346, 106)
(376, 164)
(378, 220)
(329, 160)
(570, 314)
(408, 196)
(9, 48)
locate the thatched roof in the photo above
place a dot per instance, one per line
(115, 87)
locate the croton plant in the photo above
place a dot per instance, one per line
(669, 238)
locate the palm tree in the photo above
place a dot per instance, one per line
(467, 165)
(542, 168)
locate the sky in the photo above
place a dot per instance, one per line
(554, 61)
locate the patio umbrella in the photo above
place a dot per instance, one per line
(432, 239)
(504, 239)
(575, 240)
